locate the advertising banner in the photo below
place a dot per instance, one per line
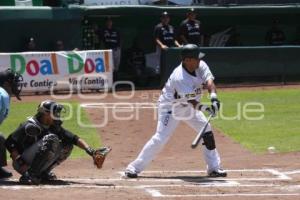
(23, 2)
(74, 70)
(169, 2)
(110, 2)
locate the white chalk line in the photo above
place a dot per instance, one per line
(204, 171)
(86, 183)
(146, 187)
(121, 105)
(278, 175)
(154, 193)
(291, 172)
(111, 180)
(90, 183)
(157, 193)
(218, 185)
(25, 187)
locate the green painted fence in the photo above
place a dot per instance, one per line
(242, 63)
(12, 2)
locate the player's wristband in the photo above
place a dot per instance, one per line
(90, 151)
(203, 108)
(213, 95)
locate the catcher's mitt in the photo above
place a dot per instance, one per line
(99, 156)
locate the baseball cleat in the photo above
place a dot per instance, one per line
(4, 173)
(217, 173)
(48, 176)
(130, 174)
(29, 179)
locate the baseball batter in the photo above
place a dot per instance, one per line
(179, 101)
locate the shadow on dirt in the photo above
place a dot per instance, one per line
(53, 183)
(190, 179)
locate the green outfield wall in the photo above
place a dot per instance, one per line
(45, 24)
(13, 2)
(250, 23)
(233, 64)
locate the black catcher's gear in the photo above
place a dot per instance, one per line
(14, 79)
(55, 109)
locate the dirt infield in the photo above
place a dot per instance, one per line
(177, 173)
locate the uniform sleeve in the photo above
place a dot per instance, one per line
(198, 22)
(1, 111)
(15, 139)
(118, 38)
(4, 107)
(182, 29)
(68, 137)
(101, 35)
(169, 90)
(201, 28)
(156, 32)
(205, 72)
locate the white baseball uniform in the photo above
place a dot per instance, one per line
(173, 107)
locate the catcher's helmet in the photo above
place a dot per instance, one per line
(14, 79)
(191, 51)
(51, 107)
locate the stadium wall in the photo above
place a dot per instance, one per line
(44, 24)
(234, 64)
(250, 22)
(47, 25)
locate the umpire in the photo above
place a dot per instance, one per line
(41, 143)
(9, 84)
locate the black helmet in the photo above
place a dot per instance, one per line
(164, 14)
(14, 79)
(191, 11)
(191, 51)
(51, 107)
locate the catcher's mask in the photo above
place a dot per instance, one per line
(55, 109)
(14, 79)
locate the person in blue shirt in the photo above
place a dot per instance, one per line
(9, 84)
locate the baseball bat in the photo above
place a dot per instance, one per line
(200, 134)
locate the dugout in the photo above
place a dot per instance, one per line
(44, 24)
(250, 22)
(250, 62)
(74, 25)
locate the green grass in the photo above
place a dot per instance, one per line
(279, 127)
(20, 111)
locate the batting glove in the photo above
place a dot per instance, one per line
(215, 106)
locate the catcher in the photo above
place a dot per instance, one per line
(40, 144)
